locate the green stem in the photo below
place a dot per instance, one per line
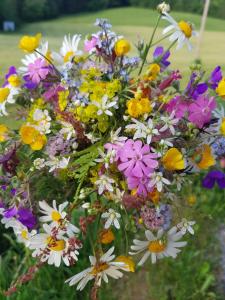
(160, 40)
(149, 45)
(125, 233)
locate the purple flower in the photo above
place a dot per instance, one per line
(219, 146)
(193, 90)
(159, 54)
(151, 218)
(215, 77)
(9, 161)
(29, 84)
(200, 111)
(136, 159)
(11, 71)
(179, 106)
(26, 217)
(37, 70)
(10, 212)
(214, 177)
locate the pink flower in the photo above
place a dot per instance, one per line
(136, 159)
(89, 45)
(139, 183)
(200, 111)
(179, 106)
(37, 70)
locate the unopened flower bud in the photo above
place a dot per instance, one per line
(163, 8)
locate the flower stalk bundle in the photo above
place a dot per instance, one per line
(106, 145)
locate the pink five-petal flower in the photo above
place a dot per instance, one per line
(38, 70)
(179, 106)
(139, 183)
(201, 110)
(89, 45)
(135, 159)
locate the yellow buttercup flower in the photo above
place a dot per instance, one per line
(173, 160)
(14, 80)
(222, 127)
(31, 136)
(30, 43)
(4, 93)
(128, 261)
(221, 88)
(122, 47)
(3, 132)
(106, 236)
(203, 157)
(152, 72)
(62, 99)
(136, 107)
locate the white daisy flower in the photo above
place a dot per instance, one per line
(7, 95)
(104, 183)
(22, 233)
(159, 246)
(99, 269)
(57, 163)
(157, 180)
(186, 226)
(53, 247)
(183, 31)
(57, 216)
(169, 122)
(111, 217)
(106, 158)
(104, 106)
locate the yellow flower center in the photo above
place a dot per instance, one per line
(99, 268)
(4, 93)
(186, 28)
(156, 246)
(68, 56)
(55, 216)
(24, 234)
(56, 245)
(14, 80)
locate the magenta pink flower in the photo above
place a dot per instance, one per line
(38, 70)
(200, 111)
(135, 159)
(90, 44)
(139, 183)
(179, 106)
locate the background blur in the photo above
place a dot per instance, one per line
(199, 271)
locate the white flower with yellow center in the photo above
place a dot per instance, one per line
(57, 216)
(67, 130)
(157, 180)
(112, 218)
(99, 269)
(57, 163)
(7, 96)
(53, 247)
(186, 226)
(22, 233)
(104, 106)
(106, 158)
(42, 120)
(183, 31)
(159, 246)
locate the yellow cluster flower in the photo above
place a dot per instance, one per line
(30, 43)
(122, 47)
(3, 132)
(137, 108)
(152, 72)
(91, 73)
(221, 88)
(173, 160)
(203, 158)
(31, 136)
(63, 99)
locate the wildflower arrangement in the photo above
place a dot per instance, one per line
(106, 145)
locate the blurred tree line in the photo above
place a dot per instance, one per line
(34, 10)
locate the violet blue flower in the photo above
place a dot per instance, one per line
(193, 90)
(159, 54)
(212, 178)
(11, 71)
(215, 77)
(136, 159)
(200, 111)
(26, 217)
(10, 212)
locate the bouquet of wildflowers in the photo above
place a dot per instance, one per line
(106, 145)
